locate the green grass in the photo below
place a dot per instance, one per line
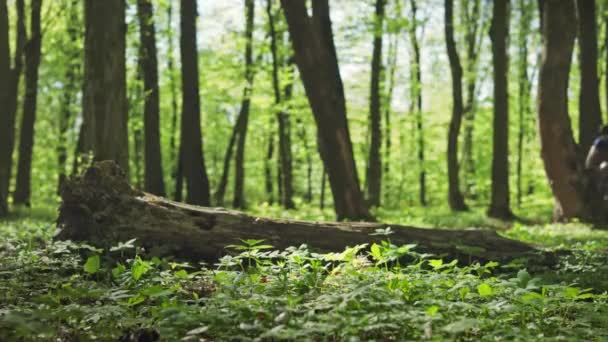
(64, 291)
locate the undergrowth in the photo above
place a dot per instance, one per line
(63, 291)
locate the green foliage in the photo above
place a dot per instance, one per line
(52, 290)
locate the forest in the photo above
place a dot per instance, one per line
(291, 170)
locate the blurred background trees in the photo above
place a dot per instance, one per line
(358, 107)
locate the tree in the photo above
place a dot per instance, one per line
(26, 137)
(283, 118)
(315, 56)
(9, 86)
(416, 100)
(191, 142)
(73, 78)
(199, 233)
(561, 159)
(374, 165)
(455, 198)
(524, 89)
(105, 94)
(499, 34)
(239, 131)
(153, 170)
(239, 158)
(474, 20)
(590, 114)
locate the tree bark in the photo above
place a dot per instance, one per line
(9, 91)
(175, 151)
(388, 113)
(562, 161)
(455, 198)
(374, 165)
(26, 137)
(153, 169)
(473, 37)
(499, 34)
(283, 118)
(315, 55)
(101, 207)
(73, 56)
(416, 100)
(191, 142)
(524, 84)
(105, 94)
(239, 159)
(590, 113)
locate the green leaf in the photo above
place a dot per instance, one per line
(436, 263)
(485, 290)
(375, 252)
(92, 264)
(432, 310)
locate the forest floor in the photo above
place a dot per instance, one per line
(62, 291)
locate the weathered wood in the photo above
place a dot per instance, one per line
(101, 207)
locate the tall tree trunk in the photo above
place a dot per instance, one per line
(177, 171)
(303, 136)
(455, 198)
(153, 169)
(499, 34)
(315, 55)
(105, 94)
(191, 142)
(590, 113)
(323, 186)
(471, 11)
(268, 181)
(70, 90)
(23, 188)
(563, 164)
(523, 84)
(221, 189)
(374, 165)
(9, 91)
(285, 155)
(388, 143)
(239, 158)
(416, 100)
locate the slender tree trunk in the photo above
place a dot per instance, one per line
(239, 158)
(9, 91)
(23, 189)
(104, 98)
(153, 170)
(416, 100)
(285, 155)
(315, 55)
(303, 136)
(499, 34)
(70, 90)
(471, 9)
(374, 165)
(221, 190)
(590, 113)
(606, 58)
(177, 171)
(455, 198)
(563, 164)
(523, 91)
(323, 186)
(191, 142)
(388, 143)
(267, 168)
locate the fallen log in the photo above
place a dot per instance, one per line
(101, 207)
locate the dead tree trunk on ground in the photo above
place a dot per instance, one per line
(101, 207)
